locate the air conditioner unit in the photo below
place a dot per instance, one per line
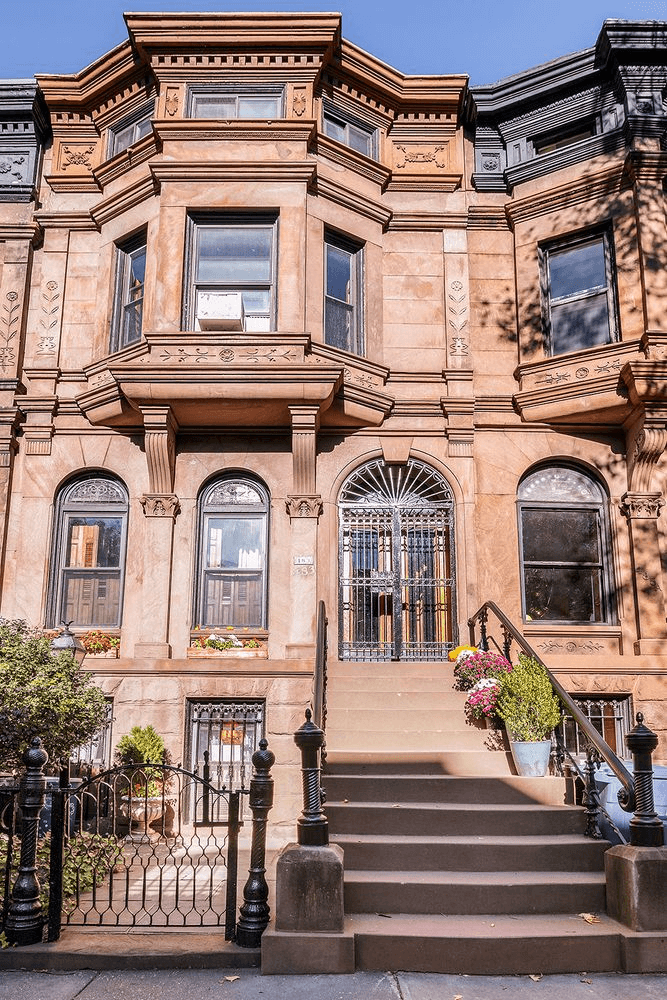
(220, 311)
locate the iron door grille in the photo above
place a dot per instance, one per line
(396, 565)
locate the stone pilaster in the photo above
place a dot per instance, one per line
(160, 507)
(642, 511)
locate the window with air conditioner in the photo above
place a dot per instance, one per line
(232, 273)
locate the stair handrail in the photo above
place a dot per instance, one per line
(626, 794)
(320, 672)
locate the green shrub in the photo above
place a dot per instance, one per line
(527, 703)
(144, 746)
(88, 860)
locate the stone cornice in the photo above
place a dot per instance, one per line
(426, 222)
(81, 221)
(135, 154)
(86, 88)
(28, 231)
(123, 201)
(604, 182)
(350, 158)
(211, 32)
(202, 129)
(288, 171)
(324, 187)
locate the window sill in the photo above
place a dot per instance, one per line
(574, 638)
(561, 389)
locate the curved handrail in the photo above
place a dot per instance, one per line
(626, 794)
(320, 674)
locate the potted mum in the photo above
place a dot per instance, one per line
(479, 672)
(143, 756)
(531, 711)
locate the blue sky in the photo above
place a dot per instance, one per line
(488, 40)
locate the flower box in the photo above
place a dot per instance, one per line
(193, 652)
(109, 654)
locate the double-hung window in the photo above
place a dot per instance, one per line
(564, 547)
(580, 294)
(89, 553)
(343, 298)
(131, 129)
(350, 131)
(129, 292)
(232, 256)
(233, 536)
(224, 103)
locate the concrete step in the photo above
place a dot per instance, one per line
(450, 892)
(390, 668)
(485, 944)
(564, 852)
(460, 762)
(406, 737)
(447, 819)
(450, 703)
(355, 783)
(389, 720)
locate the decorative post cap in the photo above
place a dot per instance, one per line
(641, 739)
(35, 756)
(263, 759)
(309, 736)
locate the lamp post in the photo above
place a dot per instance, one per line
(67, 642)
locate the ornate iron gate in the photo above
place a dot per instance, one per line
(153, 846)
(396, 554)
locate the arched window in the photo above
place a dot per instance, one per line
(89, 553)
(397, 598)
(232, 554)
(564, 540)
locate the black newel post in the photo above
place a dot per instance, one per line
(591, 797)
(25, 919)
(646, 829)
(312, 825)
(254, 913)
(59, 800)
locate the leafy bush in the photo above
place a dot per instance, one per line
(527, 703)
(42, 694)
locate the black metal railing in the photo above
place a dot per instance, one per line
(320, 675)
(626, 794)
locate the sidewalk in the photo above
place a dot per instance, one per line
(249, 984)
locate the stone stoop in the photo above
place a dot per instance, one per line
(453, 864)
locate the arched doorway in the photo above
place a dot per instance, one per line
(396, 564)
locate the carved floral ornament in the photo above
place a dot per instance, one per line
(160, 505)
(77, 156)
(14, 166)
(304, 506)
(641, 505)
(411, 155)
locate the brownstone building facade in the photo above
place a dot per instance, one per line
(280, 324)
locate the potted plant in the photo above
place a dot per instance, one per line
(531, 711)
(227, 643)
(144, 757)
(98, 643)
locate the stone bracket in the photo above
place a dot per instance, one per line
(160, 505)
(160, 430)
(304, 505)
